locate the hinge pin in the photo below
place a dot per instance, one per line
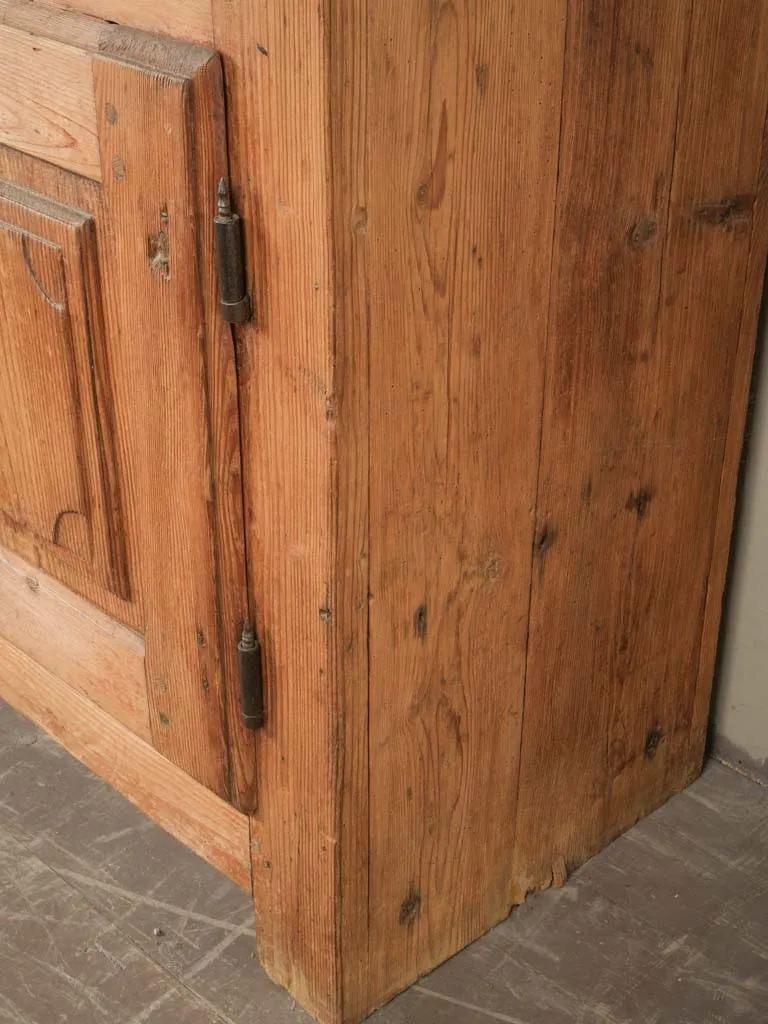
(251, 678)
(234, 301)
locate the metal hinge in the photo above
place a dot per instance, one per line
(251, 678)
(234, 301)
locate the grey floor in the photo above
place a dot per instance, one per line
(105, 918)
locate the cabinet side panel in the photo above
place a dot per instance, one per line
(734, 444)
(660, 159)
(462, 135)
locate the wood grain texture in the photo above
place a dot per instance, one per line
(47, 102)
(651, 255)
(717, 175)
(461, 172)
(223, 425)
(734, 443)
(45, 497)
(182, 19)
(68, 636)
(63, 187)
(37, 18)
(47, 106)
(195, 816)
(83, 195)
(483, 403)
(276, 71)
(162, 138)
(154, 305)
(601, 375)
(348, 61)
(59, 488)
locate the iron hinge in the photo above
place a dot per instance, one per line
(251, 678)
(234, 301)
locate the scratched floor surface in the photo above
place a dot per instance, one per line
(105, 918)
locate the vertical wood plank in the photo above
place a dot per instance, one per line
(276, 70)
(155, 315)
(462, 139)
(623, 67)
(734, 442)
(705, 293)
(348, 35)
(225, 506)
(647, 293)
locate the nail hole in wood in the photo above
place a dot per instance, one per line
(420, 622)
(410, 907)
(118, 167)
(652, 741)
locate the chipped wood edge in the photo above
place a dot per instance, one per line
(91, 35)
(184, 19)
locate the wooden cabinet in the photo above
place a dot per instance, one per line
(470, 468)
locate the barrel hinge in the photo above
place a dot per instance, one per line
(234, 301)
(251, 678)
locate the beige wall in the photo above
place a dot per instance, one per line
(741, 708)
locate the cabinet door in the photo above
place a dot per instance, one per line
(122, 569)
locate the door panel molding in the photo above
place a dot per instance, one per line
(59, 494)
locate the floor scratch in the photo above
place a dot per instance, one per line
(148, 901)
(468, 1006)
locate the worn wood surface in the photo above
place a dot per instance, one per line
(171, 414)
(459, 239)
(153, 268)
(173, 52)
(46, 499)
(717, 174)
(349, 96)
(651, 254)
(734, 443)
(491, 399)
(182, 19)
(602, 367)
(275, 66)
(55, 395)
(79, 643)
(81, 194)
(205, 823)
(47, 105)
(223, 426)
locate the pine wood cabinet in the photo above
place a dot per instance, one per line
(469, 468)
